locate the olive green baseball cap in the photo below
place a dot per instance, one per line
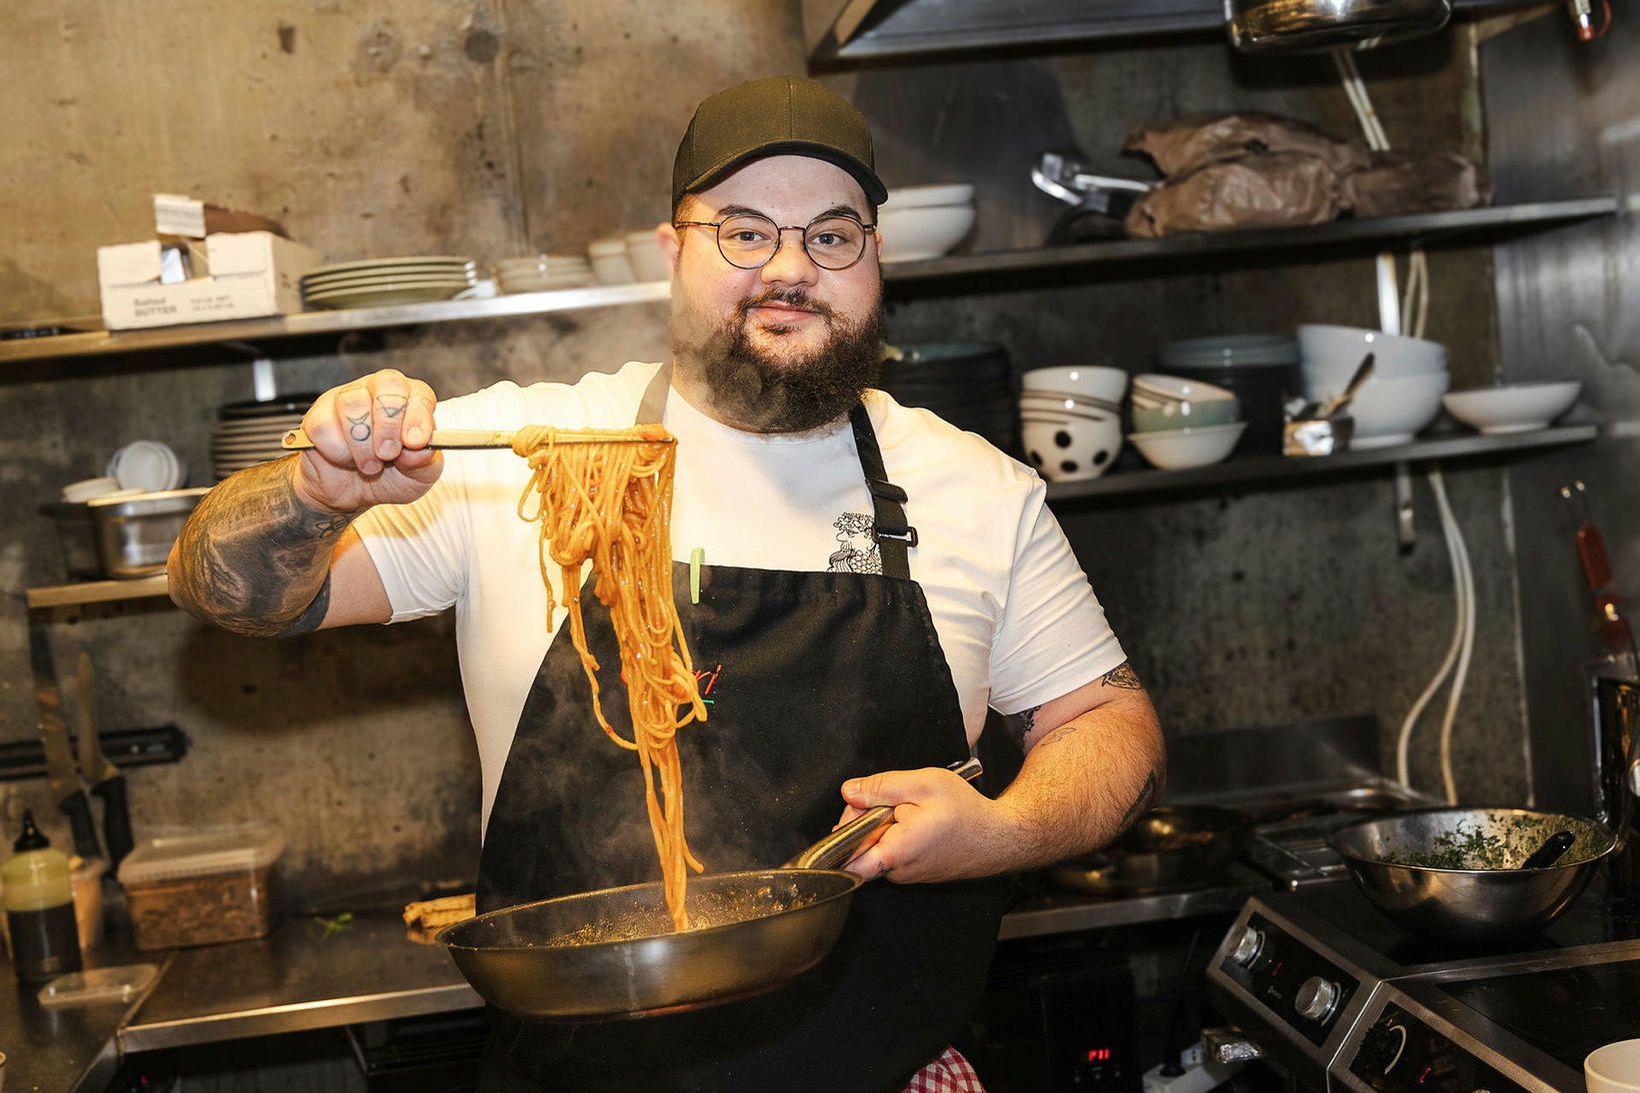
(777, 116)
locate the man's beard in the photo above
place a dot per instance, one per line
(763, 394)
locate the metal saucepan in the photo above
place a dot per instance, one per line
(1168, 849)
(1454, 873)
(613, 953)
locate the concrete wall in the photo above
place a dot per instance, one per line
(497, 128)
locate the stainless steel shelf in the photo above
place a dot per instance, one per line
(1259, 469)
(309, 323)
(879, 29)
(1324, 240)
(72, 595)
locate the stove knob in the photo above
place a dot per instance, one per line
(1316, 998)
(1248, 946)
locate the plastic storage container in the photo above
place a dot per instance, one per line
(202, 886)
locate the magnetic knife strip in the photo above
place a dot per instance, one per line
(125, 748)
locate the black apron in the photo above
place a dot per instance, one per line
(813, 678)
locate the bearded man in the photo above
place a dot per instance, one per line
(840, 688)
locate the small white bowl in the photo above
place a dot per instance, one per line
(913, 234)
(1332, 349)
(1178, 449)
(921, 197)
(1096, 381)
(1514, 408)
(1035, 402)
(1178, 389)
(1388, 410)
(1614, 1068)
(1072, 449)
(643, 250)
(610, 263)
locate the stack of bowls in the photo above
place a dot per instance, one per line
(1261, 370)
(643, 253)
(1071, 420)
(1181, 423)
(609, 261)
(248, 433)
(543, 273)
(966, 383)
(1402, 395)
(925, 221)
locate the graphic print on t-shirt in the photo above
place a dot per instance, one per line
(857, 548)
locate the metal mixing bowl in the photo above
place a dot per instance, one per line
(1399, 862)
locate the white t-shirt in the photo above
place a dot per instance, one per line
(1015, 616)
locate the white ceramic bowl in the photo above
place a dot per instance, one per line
(643, 250)
(1041, 402)
(913, 234)
(1328, 350)
(920, 197)
(610, 265)
(87, 488)
(1387, 409)
(1614, 1068)
(1072, 449)
(1094, 380)
(1177, 449)
(1514, 408)
(1179, 389)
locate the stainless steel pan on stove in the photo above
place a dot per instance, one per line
(1455, 873)
(613, 953)
(1168, 849)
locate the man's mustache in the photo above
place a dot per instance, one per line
(791, 297)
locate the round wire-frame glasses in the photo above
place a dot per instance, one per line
(750, 240)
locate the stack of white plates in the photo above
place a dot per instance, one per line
(385, 281)
(248, 433)
(544, 273)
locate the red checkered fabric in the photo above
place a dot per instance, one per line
(950, 1073)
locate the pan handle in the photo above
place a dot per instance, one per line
(865, 829)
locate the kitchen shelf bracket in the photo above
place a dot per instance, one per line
(1406, 526)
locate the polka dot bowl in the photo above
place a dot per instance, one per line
(1066, 448)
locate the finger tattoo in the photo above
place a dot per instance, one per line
(358, 427)
(392, 405)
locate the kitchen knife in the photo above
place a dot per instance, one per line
(64, 778)
(106, 780)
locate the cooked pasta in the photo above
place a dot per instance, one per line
(607, 497)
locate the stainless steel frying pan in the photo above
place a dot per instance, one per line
(613, 953)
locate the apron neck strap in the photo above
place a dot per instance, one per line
(894, 535)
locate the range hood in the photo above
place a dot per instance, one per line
(1260, 26)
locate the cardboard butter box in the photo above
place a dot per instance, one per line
(252, 274)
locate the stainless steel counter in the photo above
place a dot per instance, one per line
(297, 978)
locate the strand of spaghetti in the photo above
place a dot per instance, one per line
(606, 499)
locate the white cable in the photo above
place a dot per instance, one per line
(1466, 575)
(1403, 744)
(1414, 319)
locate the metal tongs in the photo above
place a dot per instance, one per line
(1069, 180)
(458, 440)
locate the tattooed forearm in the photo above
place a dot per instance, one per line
(254, 559)
(1122, 676)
